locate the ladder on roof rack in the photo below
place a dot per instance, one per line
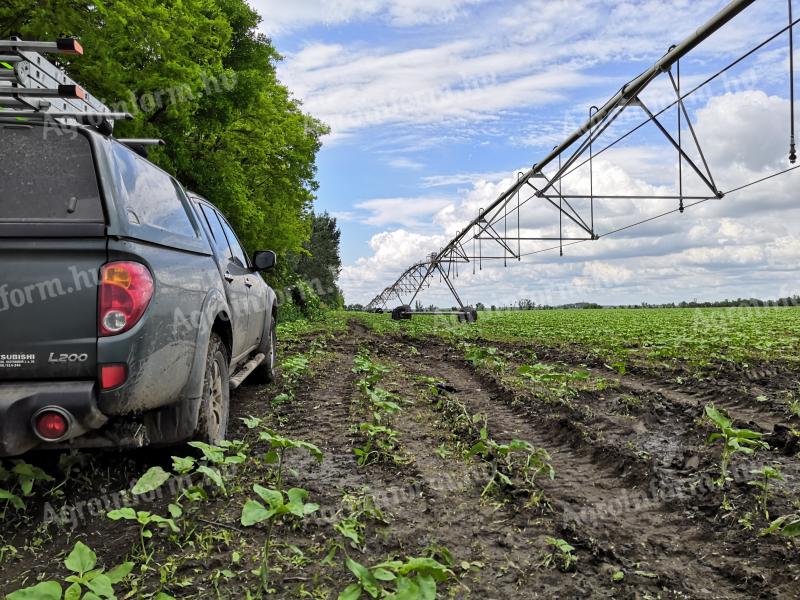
(31, 87)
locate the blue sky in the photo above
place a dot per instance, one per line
(435, 105)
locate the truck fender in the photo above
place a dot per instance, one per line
(272, 305)
(178, 422)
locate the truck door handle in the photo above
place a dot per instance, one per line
(228, 277)
(248, 282)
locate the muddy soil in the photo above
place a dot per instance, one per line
(632, 491)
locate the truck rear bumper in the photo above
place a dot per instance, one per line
(19, 402)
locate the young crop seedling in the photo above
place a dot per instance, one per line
(412, 579)
(278, 503)
(17, 484)
(484, 358)
(146, 521)
(360, 508)
(733, 441)
(793, 402)
(381, 445)
(372, 372)
(561, 555)
(518, 459)
(787, 526)
(87, 581)
(557, 383)
(381, 402)
(766, 475)
(294, 367)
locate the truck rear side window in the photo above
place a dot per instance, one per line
(47, 179)
(153, 196)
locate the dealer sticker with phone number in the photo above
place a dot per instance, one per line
(15, 361)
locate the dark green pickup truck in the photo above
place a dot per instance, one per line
(128, 308)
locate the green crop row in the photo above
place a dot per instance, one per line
(693, 337)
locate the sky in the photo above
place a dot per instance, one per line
(434, 106)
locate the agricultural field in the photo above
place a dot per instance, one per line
(538, 454)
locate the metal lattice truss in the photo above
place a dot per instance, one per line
(497, 233)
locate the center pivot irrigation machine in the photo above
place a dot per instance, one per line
(499, 228)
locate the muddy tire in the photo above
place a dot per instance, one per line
(401, 313)
(212, 425)
(265, 372)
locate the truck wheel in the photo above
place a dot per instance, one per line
(265, 372)
(402, 313)
(215, 406)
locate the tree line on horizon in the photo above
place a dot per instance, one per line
(527, 304)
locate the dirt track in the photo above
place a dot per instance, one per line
(630, 492)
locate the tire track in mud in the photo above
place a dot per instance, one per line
(508, 542)
(429, 502)
(644, 535)
(432, 500)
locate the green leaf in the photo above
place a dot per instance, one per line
(48, 590)
(101, 585)
(15, 500)
(175, 511)
(126, 513)
(254, 512)
(791, 530)
(252, 422)
(272, 497)
(162, 522)
(722, 421)
(81, 560)
(73, 592)
(427, 587)
(183, 465)
(365, 577)
(213, 475)
(297, 505)
(351, 592)
(212, 453)
(382, 574)
(425, 566)
(119, 573)
(150, 481)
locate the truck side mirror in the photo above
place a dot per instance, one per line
(264, 260)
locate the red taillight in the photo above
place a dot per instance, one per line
(112, 376)
(125, 291)
(52, 425)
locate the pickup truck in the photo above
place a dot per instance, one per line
(128, 307)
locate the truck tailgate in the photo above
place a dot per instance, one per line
(48, 307)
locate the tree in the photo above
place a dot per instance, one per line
(526, 304)
(198, 75)
(320, 262)
(480, 306)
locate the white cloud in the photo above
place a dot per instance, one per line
(403, 162)
(280, 16)
(450, 83)
(460, 179)
(502, 57)
(600, 274)
(392, 252)
(408, 212)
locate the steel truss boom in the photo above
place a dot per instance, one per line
(491, 224)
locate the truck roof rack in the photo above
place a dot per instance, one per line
(33, 88)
